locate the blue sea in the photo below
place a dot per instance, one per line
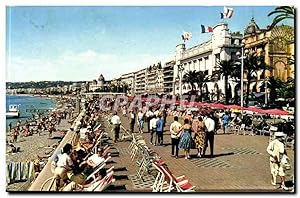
(27, 103)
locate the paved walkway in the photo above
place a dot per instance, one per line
(240, 164)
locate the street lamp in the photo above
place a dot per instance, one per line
(242, 57)
(180, 69)
(266, 92)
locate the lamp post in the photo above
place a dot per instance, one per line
(242, 56)
(177, 79)
(180, 69)
(266, 92)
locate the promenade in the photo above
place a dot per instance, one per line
(240, 164)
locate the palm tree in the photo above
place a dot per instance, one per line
(236, 77)
(252, 64)
(201, 79)
(226, 69)
(190, 77)
(287, 89)
(282, 13)
(275, 85)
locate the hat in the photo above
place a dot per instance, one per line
(279, 134)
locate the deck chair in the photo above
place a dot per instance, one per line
(97, 168)
(94, 148)
(160, 184)
(97, 127)
(93, 185)
(106, 182)
(180, 183)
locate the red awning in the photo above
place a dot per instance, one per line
(255, 109)
(276, 112)
(233, 107)
(217, 105)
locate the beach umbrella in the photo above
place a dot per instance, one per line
(217, 105)
(232, 107)
(199, 104)
(255, 109)
(276, 112)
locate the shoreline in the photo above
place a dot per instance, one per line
(30, 119)
(57, 99)
(37, 148)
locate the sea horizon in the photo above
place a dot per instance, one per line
(27, 104)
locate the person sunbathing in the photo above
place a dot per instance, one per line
(74, 186)
(86, 168)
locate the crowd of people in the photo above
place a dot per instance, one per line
(192, 130)
(80, 157)
(196, 131)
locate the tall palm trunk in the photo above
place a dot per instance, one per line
(226, 87)
(248, 89)
(201, 94)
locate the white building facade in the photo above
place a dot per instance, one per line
(140, 82)
(129, 80)
(223, 45)
(154, 79)
(168, 73)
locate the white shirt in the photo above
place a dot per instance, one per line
(156, 113)
(96, 159)
(275, 148)
(174, 129)
(149, 114)
(115, 119)
(153, 123)
(132, 115)
(140, 116)
(64, 160)
(82, 133)
(209, 124)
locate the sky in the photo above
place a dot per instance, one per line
(79, 43)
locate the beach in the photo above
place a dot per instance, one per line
(37, 146)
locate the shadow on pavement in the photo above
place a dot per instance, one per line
(119, 177)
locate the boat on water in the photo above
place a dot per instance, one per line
(13, 111)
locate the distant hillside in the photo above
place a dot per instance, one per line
(39, 85)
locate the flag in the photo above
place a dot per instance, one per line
(205, 29)
(227, 14)
(186, 36)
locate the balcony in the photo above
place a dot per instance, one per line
(197, 50)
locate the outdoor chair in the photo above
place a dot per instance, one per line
(170, 182)
(264, 130)
(290, 141)
(96, 184)
(98, 168)
(107, 181)
(245, 130)
(145, 164)
(235, 129)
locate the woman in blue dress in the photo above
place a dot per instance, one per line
(186, 140)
